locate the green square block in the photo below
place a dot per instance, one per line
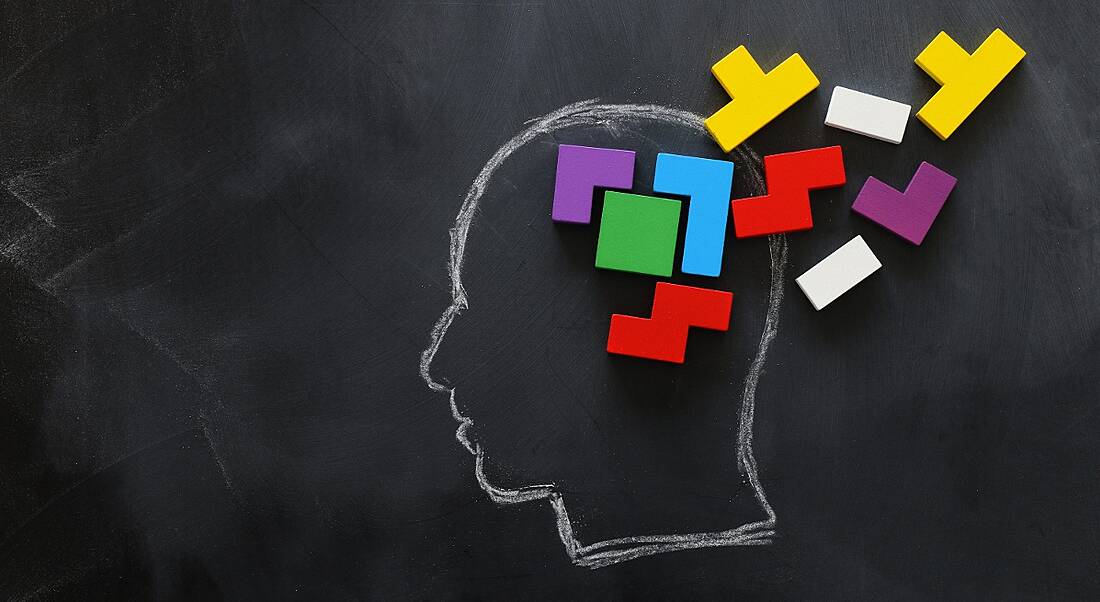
(637, 233)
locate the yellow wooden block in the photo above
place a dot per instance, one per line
(758, 97)
(966, 78)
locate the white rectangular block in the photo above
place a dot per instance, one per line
(869, 115)
(839, 272)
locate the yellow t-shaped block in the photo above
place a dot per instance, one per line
(758, 97)
(966, 78)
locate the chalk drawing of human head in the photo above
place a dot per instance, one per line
(545, 412)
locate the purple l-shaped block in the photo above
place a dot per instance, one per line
(580, 169)
(908, 214)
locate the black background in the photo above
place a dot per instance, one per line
(224, 233)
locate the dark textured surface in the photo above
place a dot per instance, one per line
(224, 239)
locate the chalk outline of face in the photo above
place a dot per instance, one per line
(604, 553)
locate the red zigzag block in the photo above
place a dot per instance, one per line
(664, 336)
(790, 177)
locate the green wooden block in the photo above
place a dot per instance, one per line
(637, 233)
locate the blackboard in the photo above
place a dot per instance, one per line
(226, 238)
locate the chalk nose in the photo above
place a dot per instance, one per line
(446, 358)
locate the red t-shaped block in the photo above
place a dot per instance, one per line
(790, 177)
(663, 336)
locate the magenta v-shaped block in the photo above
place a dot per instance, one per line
(582, 168)
(908, 214)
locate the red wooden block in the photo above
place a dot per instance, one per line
(664, 336)
(790, 178)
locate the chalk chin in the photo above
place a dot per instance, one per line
(467, 435)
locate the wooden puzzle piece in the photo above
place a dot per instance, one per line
(908, 214)
(758, 97)
(663, 336)
(790, 178)
(867, 114)
(638, 233)
(966, 78)
(838, 273)
(582, 168)
(707, 182)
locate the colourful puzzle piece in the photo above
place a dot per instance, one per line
(580, 169)
(867, 114)
(707, 182)
(638, 233)
(966, 78)
(790, 178)
(908, 214)
(664, 336)
(838, 273)
(757, 97)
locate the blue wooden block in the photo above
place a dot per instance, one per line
(707, 182)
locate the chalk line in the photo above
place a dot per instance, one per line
(22, 193)
(608, 552)
(203, 419)
(204, 424)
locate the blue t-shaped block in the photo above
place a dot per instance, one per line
(707, 182)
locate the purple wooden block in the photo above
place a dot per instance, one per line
(908, 214)
(580, 168)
